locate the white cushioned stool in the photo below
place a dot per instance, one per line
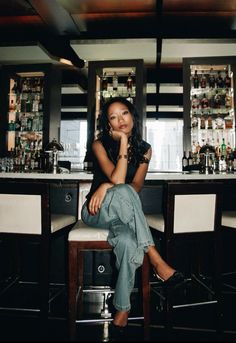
(191, 215)
(26, 216)
(83, 237)
(228, 225)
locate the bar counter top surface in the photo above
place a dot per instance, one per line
(84, 176)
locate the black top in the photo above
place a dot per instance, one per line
(112, 152)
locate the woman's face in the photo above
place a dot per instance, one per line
(120, 118)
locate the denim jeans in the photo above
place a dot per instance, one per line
(129, 235)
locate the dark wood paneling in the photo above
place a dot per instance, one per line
(73, 100)
(167, 75)
(166, 99)
(165, 115)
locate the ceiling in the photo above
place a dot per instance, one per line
(161, 31)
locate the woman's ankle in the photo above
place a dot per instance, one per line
(121, 318)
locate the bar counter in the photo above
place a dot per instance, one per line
(84, 176)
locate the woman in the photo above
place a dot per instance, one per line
(121, 160)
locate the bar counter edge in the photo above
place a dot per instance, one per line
(83, 176)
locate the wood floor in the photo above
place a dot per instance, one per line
(190, 323)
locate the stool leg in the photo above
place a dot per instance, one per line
(72, 290)
(44, 282)
(146, 296)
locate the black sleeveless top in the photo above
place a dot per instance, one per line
(112, 149)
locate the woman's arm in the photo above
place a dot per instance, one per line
(141, 172)
(97, 198)
(115, 173)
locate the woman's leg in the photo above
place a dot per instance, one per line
(163, 270)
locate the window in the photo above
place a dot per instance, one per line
(73, 137)
(166, 138)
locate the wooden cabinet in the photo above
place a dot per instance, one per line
(30, 103)
(108, 79)
(209, 102)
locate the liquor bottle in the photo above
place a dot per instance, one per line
(195, 80)
(11, 126)
(219, 80)
(223, 148)
(129, 83)
(219, 122)
(227, 80)
(211, 79)
(203, 81)
(202, 122)
(184, 162)
(12, 106)
(195, 102)
(209, 122)
(190, 160)
(104, 82)
(228, 99)
(204, 101)
(194, 120)
(18, 121)
(229, 121)
(115, 82)
(217, 100)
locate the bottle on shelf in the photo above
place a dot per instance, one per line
(115, 82)
(129, 84)
(194, 121)
(219, 122)
(202, 122)
(223, 148)
(228, 99)
(11, 126)
(195, 80)
(211, 79)
(217, 100)
(219, 80)
(203, 80)
(190, 160)
(184, 162)
(12, 105)
(227, 80)
(18, 121)
(104, 82)
(209, 122)
(195, 102)
(204, 101)
(229, 121)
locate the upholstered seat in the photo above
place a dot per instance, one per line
(191, 214)
(156, 221)
(82, 237)
(25, 215)
(229, 219)
(228, 224)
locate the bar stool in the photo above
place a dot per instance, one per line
(80, 239)
(228, 223)
(192, 213)
(25, 216)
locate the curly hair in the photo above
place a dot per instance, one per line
(135, 151)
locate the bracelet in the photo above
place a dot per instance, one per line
(122, 156)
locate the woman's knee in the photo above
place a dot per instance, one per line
(124, 190)
(127, 239)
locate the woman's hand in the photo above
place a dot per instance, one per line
(117, 135)
(97, 198)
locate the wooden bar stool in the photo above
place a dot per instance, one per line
(82, 238)
(25, 216)
(192, 214)
(228, 225)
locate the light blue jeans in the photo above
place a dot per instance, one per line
(129, 234)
